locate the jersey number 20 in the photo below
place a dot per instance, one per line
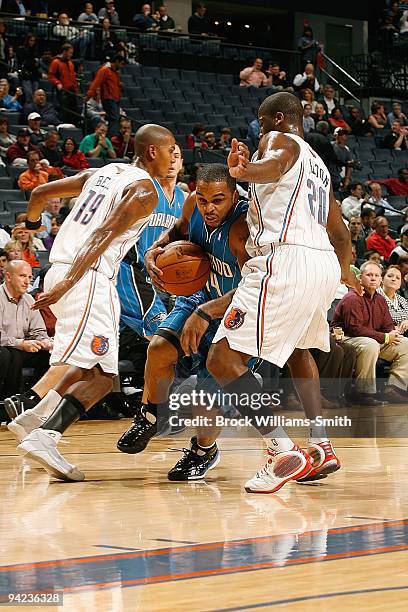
(89, 207)
(317, 202)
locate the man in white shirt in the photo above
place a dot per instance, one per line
(307, 79)
(351, 206)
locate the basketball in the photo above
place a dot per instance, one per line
(185, 267)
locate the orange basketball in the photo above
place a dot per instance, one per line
(185, 267)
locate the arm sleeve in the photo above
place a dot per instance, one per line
(96, 83)
(298, 80)
(10, 341)
(52, 73)
(36, 329)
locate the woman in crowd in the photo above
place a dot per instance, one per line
(397, 305)
(319, 113)
(14, 250)
(56, 223)
(28, 58)
(29, 244)
(337, 120)
(378, 118)
(72, 157)
(308, 97)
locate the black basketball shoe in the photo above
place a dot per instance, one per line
(17, 404)
(137, 437)
(195, 463)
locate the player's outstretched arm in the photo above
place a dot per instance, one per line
(282, 154)
(179, 231)
(339, 237)
(138, 202)
(70, 186)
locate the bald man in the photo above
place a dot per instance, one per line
(113, 205)
(24, 339)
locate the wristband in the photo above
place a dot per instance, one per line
(386, 338)
(203, 315)
(33, 225)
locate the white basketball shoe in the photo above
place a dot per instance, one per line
(24, 424)
(41, 446)
(279, 469)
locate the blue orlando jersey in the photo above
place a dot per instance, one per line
(141, 307)
(225, 273)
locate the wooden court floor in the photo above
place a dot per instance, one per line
(127, 539)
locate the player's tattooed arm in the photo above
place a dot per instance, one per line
(339, 237)
(138, 202)
(63, 188)
(277, 154)
(179, 231)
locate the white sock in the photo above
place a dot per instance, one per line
(317, 434)
(47, 405)
(279, 441)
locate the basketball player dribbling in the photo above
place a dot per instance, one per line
(113, 206)
(280, 307)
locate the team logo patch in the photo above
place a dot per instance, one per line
(234, 318)
(100, 345)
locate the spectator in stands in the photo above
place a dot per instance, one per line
(46, 110)
(24, 339)
(277, 78)
(6, 139)
(109, 12)
(209, 141)
(308, 46)
(357, 240)
(34, 176)
(4, 45)
(3, 261)
(380, 240)
(166, 23)
(108, 81)
(337, 120)
(368, 326)
(144, 21)
(72, 157)
(37, 134)
(198, 23)
(374, 257)
(50, 148)
(98, 144)
(109, 40)
(88, 16)
(307, 79)
(351, 206)
(343, 154)
(307, 97)
(13, 250)
(224, 141)
(17, 153)
(124, 143)
(82, 40)
(396, 115)
(20, 234)
(254, 130)
(375, 199)
(328, 100)
(94, 109)
(56, 223)
(398, 139)
(45, 61)
(62, 75)
(358, 125)
(367, 220)
(397, 305)
(402, 249)
(28, 58)
(378, 118)
(397, 186)
(6, 100)
(253, 75)
(308, 121)
(320, 113)
(195, 139)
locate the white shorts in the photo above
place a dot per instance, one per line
(87, 329)
(281, 303)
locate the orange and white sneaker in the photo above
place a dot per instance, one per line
(279, 469)
(325, 461)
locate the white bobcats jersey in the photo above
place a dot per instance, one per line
(294, 209)
(100, 195)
